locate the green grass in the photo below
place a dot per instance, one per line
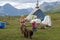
(12, 32)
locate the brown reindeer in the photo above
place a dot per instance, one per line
(26, 32)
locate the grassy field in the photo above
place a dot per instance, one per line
(12, 32)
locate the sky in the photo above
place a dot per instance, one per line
(23, 4)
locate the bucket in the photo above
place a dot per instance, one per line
(2, 24)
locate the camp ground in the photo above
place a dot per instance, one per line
(39, 16)
(48, 25)
(12, 32)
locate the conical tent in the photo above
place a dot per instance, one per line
(40, 15)
(37, 12)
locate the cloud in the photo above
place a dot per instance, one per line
(50, 0)
(19, 5)
(29, 1)
(23, 3)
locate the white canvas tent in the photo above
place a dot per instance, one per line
(37, 12)
(47, 20)
(36, 20)
(30, 16)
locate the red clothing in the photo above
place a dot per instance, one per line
(33, 24)
(22, 21)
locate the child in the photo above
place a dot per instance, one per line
(33, 26)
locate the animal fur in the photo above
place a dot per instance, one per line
(27, 33)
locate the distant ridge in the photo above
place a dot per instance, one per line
(48, 6)
(8, 9)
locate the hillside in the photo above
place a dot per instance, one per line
(8, 9)
(48, 6)
(55, 9)
(13, 32)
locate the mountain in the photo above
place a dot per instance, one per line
(55, 9)
(8, 9)
(25, 11)
(48, 6)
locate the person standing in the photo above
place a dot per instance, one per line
(22, 23)
(33, 26)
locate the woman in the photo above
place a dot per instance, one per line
(22, 23)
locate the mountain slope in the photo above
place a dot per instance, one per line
(48, 6)
(8, 9)
(55, 9)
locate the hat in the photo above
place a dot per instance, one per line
(22, 16)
